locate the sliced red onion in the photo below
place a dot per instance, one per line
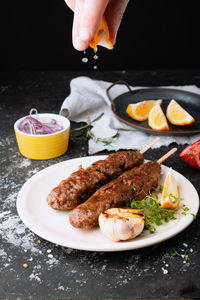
(33, 126)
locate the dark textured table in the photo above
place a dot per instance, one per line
(57, 272)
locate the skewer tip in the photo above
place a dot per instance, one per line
(168, 154)
(149, 145)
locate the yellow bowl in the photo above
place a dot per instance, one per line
(45, 146)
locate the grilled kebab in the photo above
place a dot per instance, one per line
(136, 182)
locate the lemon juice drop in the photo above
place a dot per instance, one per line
(84, 59)
(95, 57)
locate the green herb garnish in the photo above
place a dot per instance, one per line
(186, 212)
(152, 211)
(160, 189)
(194, 216)
(176, 199)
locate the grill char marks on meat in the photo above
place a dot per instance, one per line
(80, 185)
(136, 182)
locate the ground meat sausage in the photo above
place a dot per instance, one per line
(80, 185)
(136, 182)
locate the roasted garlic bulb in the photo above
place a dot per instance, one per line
(121, 223)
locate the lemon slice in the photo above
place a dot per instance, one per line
(102, 36)
(157, 119)
(170, 192)
(177, 115)
(140, 110)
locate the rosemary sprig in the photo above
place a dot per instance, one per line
(86, 131)
(108, 141)
(97, 118)
(88, 126)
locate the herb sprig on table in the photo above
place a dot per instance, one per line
(86, 131)
(183, 255)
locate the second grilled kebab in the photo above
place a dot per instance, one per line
(80, 185)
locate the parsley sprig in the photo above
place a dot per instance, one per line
(176, 199)
(154, 215)
(186, 212)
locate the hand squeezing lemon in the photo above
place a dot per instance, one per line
(102, 36)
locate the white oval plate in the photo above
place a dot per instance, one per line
(53, 225)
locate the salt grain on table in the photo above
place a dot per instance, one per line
(164, 271)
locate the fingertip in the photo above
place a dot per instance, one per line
(79, 44)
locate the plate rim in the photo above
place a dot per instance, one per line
(149, 130)
(124, 246)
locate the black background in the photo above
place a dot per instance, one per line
(155, 34)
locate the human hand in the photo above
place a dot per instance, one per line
(87, 17)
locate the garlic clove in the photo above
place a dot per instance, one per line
(121, 223)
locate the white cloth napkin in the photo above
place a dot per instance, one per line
(88, 95)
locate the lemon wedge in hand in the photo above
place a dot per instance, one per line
(139, 111)
(102, 36)
(170, 192)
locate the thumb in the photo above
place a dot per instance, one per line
(114, 13)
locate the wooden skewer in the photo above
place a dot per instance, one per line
(168, 154)
(149, 145)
